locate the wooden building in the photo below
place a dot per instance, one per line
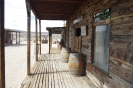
(56, 30)
(102, 30)
(11, 35)
(106, 39)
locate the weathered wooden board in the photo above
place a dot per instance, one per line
(2, 46)
(50, 72)
(121, 40)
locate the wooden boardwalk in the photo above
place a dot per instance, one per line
(50, 72)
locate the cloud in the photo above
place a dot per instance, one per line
(15, 14)
(16, 17)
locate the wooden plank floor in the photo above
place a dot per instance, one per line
(50, 72)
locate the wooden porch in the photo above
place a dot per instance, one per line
(50, 72)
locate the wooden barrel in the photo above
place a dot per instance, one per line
(76, 64)
(65, 54)
(59, 46)
(44, 41)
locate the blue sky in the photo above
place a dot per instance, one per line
(16, 17)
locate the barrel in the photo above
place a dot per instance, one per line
(59, 46)
(44, 41)
(65, 54)
(76, 64)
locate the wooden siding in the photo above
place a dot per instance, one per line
(121, 44)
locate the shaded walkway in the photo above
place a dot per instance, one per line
(50, 72)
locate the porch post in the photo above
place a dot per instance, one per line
(12, 37)
(28, 36)
(49, 41)
(40, 34)
(36, 40)
(16, 37)
(19, 37)
(2, 44)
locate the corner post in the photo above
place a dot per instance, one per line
(49, 41)
(12, 37)
(19, 37)
(2, 45)
(36, 39)
(28, 35)
(16, 37)
(40, 34)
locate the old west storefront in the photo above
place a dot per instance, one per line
(106, 39)
(102, 30)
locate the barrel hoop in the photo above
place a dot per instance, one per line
(72, 56)
(64, 59)
(75, 55)
(76, 60)
(65, 52)
(74, 73)
(75, 69)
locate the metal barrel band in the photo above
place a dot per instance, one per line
(76, 61)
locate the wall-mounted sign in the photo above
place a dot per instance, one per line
(83, 30)
(78, 19)
(102, 16)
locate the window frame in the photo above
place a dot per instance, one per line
(93, 48)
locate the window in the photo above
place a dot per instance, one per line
(101, 47)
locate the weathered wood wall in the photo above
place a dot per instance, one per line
(121, 41)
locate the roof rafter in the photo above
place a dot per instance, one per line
(66, 1)
(55, 9)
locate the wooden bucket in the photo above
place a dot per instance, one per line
(76, 64)
(65, 54)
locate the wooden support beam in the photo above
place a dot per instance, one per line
(40, 34)
(12, 37)
(2, 45)
(49, 41)
(19, 37)
(54, 14)
(34, 12)
(66, 1)
(36, 39)
(16, 37)
(28, 36)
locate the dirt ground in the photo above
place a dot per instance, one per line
(16, 63)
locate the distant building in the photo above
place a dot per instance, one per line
(10, 36)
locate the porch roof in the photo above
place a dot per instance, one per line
(55, 30)
(54, 9)
(13, 30)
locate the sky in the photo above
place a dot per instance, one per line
(16, 17)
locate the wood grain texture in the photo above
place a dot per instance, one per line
(121, 40)
(2, 45)
(40, 36)
(61, 9)
(36, 30)
(28, 37)
(50, 72)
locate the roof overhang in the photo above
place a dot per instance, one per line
(55, 30)
(13, 30)
(54, 9)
